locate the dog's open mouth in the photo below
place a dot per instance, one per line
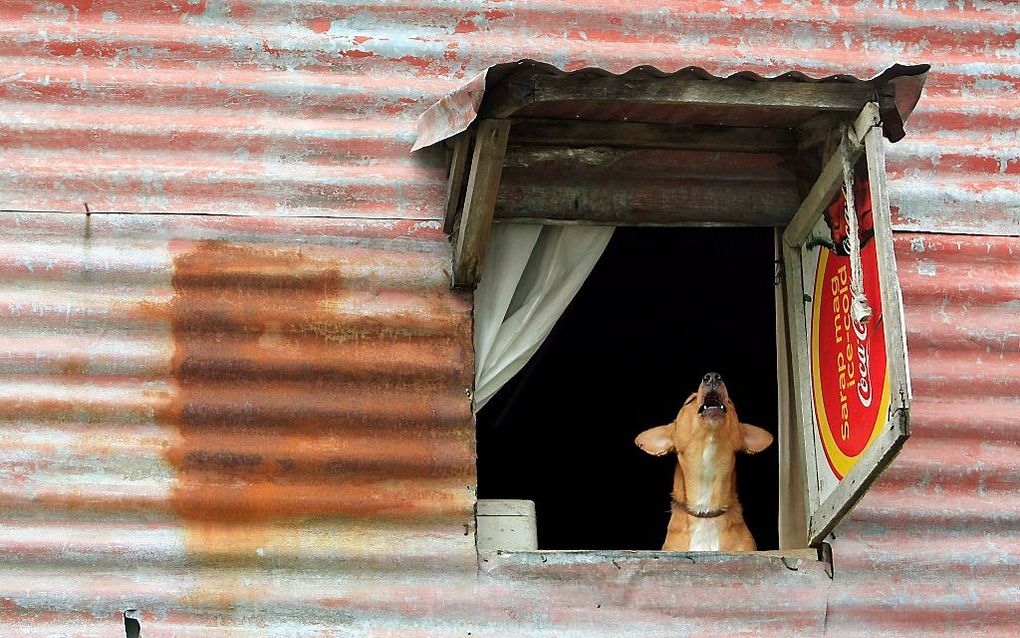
(713, 404)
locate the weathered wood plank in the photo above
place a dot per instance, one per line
(825, 96)
(796, 315)
(892, 298)
(455, 180)
(792, 467)
(674, 566)
(679, 202)
(829, 182)
(576, 134)
(480, 201)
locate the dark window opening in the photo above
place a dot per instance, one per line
(662, 307)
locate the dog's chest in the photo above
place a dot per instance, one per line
(708, 475)
(705, 535)
(705, 531)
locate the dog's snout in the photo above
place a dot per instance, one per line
(712, 379)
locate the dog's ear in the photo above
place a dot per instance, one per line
(657, 441)
(755, 438)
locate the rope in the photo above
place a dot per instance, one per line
(860, 311)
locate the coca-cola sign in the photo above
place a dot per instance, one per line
(848, 358)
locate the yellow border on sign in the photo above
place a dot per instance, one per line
(840, 463)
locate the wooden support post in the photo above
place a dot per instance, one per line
(801, 368)
(455, 185)
(793, 469)
(479, 202)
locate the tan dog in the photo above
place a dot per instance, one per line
(706, 436)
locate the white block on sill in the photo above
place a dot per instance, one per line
(506, 524)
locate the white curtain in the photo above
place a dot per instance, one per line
(531, 274)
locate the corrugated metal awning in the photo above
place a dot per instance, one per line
(530, 89)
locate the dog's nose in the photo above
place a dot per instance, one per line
(712, 378)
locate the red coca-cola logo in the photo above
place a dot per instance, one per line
(848, 358)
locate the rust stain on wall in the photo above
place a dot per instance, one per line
(283, 412)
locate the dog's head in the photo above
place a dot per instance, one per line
(709, 411)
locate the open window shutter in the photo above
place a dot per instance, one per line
(852, 387)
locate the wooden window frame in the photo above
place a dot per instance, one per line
(863, 137)
(477, 156)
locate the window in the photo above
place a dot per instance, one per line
(622, 358)
(728, 153)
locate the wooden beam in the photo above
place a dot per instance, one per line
(824, 96)
(577, 134)
(620, 202)
(455, 183)
(479, 202)
(829, 182)
(792, 457)
(892, 298)
(796, 316)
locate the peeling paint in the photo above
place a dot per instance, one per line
(926, 268)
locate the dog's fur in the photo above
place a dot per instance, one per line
(706, 436)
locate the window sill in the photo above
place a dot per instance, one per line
(527, 565)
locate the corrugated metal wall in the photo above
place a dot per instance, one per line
(223, 422)
(307, 108)
(260, 424)
(934, 548)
